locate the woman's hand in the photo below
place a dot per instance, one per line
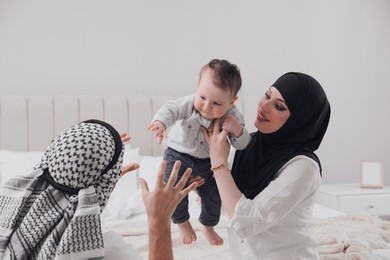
(218, 144)
(219, 152)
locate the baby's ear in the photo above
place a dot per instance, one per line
(234, 99)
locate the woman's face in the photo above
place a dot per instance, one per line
(272, 112)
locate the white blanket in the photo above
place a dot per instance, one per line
(341, 237)
(134, 232)
(351, 236)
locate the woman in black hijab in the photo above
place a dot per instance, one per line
(269, 192)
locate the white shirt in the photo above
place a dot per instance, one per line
(276, 224)
(186, 136)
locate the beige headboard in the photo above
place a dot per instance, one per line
(29, 123)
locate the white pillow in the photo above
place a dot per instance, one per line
(125, 200)
(149, 166)
(14, 163)
(122, 204)
(130, 179)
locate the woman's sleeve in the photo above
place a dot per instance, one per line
(297, 180)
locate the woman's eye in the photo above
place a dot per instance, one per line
(267, 95)
(280, 108)
(203, 98)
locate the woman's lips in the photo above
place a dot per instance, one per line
(261, 117)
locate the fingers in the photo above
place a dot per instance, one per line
(144, 186)
(155, 128)
(159, 132)
(216, 125)
(205, 133)
(182, 182)
(192, 179)
(188, 189)
(180, 185)
(125, 138)
(123, 135)
(173, 177)
(129, 167)
(152, 128)
(227, 118)
(160, 174)
(224, 133)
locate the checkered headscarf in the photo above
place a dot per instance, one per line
(53, 212)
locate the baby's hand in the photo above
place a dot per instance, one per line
(158, 128)
(231, 125)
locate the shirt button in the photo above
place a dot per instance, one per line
(201, 142)
(242, 241)
(234, 139)
(190, 126)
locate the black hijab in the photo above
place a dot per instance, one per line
(256, 166)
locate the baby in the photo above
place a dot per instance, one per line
(218, 85)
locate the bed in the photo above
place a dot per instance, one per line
(28, 124)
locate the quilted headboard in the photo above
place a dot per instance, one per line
(29, 123)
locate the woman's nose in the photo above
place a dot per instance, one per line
(265, 106)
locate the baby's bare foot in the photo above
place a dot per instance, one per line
(212, 236)
(187, 233)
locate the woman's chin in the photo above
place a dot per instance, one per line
(260, 127)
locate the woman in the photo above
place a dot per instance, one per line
(269, 193)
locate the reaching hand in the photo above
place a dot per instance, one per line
(162, 201)
(159, 130)
(125, 138)
(129, 167)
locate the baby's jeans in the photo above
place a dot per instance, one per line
(208, 192)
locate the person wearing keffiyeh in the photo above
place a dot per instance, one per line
(53, 212)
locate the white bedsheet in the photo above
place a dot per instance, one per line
(336, 231)
(134, 232)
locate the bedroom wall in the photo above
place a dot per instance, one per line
(157, 47)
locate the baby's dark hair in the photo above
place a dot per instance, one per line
(226, 75)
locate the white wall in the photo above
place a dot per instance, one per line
(157, 47)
